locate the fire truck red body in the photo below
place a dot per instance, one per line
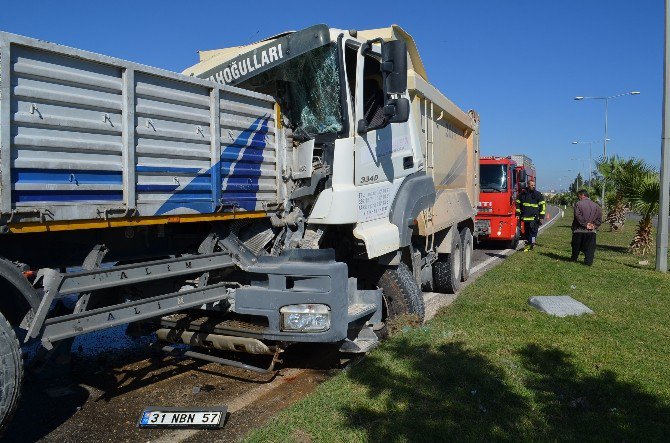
(500, 181)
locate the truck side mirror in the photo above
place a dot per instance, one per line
(394, 66)
(397, 110)
(394, 73)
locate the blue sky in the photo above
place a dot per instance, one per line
(518, 63)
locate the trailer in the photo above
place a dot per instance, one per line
(300, 189)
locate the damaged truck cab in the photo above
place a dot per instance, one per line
(345, 102)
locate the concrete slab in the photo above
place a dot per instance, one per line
(559, 305)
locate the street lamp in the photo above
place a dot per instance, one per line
(606, 100)
(590, 143)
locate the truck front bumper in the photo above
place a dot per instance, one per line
(305, 277)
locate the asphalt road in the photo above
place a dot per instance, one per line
(99, 395)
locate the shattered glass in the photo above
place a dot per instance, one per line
(312, 85)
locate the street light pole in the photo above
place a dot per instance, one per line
(580, 173)
(606, 99)
(664, 204)
(590, 165)
(605, 153)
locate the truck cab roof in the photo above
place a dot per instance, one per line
(263, 55)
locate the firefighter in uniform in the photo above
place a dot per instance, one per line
(530, 209)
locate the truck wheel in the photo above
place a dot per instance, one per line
(447, 269)
(403, 295)
(466, 245)
(11, 372)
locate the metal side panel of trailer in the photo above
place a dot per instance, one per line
(90, 138)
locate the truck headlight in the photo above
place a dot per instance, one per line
(305, 318)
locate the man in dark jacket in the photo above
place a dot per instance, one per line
(588, 217)
(530, 209)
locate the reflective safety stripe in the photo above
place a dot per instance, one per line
(518, 201)
(531, 205)
(528, 218)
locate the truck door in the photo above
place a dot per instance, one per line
(381, 154)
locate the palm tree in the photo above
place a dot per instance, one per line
(642, 193)
(618, 174)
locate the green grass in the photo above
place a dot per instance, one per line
(490, 367)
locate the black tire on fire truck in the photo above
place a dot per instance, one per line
(402, 293)
(447, 269)
(467, 246)
(11, 372)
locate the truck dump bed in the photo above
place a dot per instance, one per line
(93, 141)
(450, 143)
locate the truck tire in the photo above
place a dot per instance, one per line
(466, 247)
(447, 269)
(11, 372)
(402, 293)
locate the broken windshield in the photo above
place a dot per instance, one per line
(307, 89)
(311, 92)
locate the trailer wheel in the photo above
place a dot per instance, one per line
(11, 372)
(467, 246)
(447, 269)
(402, 293)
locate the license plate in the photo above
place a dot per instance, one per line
(163, 417)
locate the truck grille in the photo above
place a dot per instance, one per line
(216, 323)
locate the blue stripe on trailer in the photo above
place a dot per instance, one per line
(250, 163)
(241, 169)
(249, 154)
(253, 143)
(205, 187)
(230, 152)
(64, 176)
(200, 206)
(65, 196)
(168, 170)
(193, 197)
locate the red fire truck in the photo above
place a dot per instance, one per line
(500, 180)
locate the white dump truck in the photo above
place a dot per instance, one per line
(300, 189)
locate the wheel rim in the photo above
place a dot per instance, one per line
(468, 257)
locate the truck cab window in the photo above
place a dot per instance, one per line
(493, 178)
(373, 92)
